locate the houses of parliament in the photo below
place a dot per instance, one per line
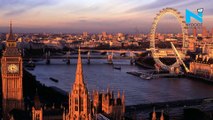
(81, 106)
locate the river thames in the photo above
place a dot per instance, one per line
(99, 75)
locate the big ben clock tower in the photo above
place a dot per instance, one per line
(11, 70)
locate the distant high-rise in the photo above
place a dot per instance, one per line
(104, 34)
(212, 32)
(85, 34)
(120, 34)
(11, 67)
(204, 32)
(195, 32)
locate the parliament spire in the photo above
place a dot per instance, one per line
(79, 78)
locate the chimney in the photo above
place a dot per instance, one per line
(207, 59)
(203, 58)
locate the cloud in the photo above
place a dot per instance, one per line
(94, 15)
(159, 4)
(92, 8)
(151, 6)
(97, 22)
(208, 11)
(16, 7)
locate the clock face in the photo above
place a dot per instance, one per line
(13, 68)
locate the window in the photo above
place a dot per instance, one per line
(76, 108)
(81, 105)
(37, 117)
(76, 101)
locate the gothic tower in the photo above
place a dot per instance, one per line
(79, 103)
(11, 71)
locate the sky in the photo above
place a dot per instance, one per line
(95, 16)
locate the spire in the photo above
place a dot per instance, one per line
(10, 37)
(123, 97)
(37, 103)
(162, 117)
(123, 102)
(119, 95)
(11, 30)
(108, 89)
(79, 70)
(154, 114)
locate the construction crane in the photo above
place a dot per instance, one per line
(178, 57)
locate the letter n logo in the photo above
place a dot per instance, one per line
(198, 17)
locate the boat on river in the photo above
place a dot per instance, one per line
(117, 67)
(53, 79)
(30, 65)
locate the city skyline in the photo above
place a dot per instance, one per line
(101, 48)
(94, 16)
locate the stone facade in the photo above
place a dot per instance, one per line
(202, 66)
(107, 103)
